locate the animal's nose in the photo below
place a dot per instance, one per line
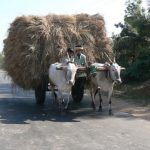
(71, 82)
(118, 81)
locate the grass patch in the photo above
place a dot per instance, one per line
(138, 92)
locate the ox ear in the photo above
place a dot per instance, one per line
(107, 64)
(122, 68)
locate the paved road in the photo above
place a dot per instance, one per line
(25, 126)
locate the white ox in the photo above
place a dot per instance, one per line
(62, 76)
(105, 78)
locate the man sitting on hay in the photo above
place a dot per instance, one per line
(78, 88)
(69, 56)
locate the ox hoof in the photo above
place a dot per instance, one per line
(66, 108)
(93, 106)
(62, 113)
(110, 113)
(63, 101)
(94, 109)
(100, 109)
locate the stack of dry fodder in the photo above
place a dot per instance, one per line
(34, 42)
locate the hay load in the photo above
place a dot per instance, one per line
(34, 42)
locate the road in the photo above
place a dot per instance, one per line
(26, 126)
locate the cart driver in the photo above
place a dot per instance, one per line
(78, 88)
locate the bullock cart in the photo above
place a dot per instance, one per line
(35, 42)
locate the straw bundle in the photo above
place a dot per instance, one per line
(34, 42)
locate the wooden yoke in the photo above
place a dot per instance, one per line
(101, 69)
(81, 69)
(84, 69)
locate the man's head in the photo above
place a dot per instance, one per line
(78, 49)
(70, 51)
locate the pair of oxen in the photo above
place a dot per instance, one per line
(62, 77)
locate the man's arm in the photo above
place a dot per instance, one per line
(85, 62)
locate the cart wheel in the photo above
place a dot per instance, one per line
(77, 94)
(40, 96)
(40, 91)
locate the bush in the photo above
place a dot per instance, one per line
(140, 69)
(132, 45)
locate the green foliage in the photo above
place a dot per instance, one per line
(132, 45)
(140, 69)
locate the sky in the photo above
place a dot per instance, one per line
(111, 10)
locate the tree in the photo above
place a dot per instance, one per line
(132, 45)
(1, 61)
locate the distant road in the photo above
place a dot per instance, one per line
(3, 77)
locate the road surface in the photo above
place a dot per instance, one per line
(25, 126)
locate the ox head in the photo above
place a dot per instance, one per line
(114, 71)
(70, 69)
(71, 72)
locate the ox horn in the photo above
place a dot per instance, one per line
(114, 60)
(108, 57)
(68, 56)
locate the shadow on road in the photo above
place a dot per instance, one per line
(23, 110)
(20, 108)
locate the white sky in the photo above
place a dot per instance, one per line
(111, 10)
